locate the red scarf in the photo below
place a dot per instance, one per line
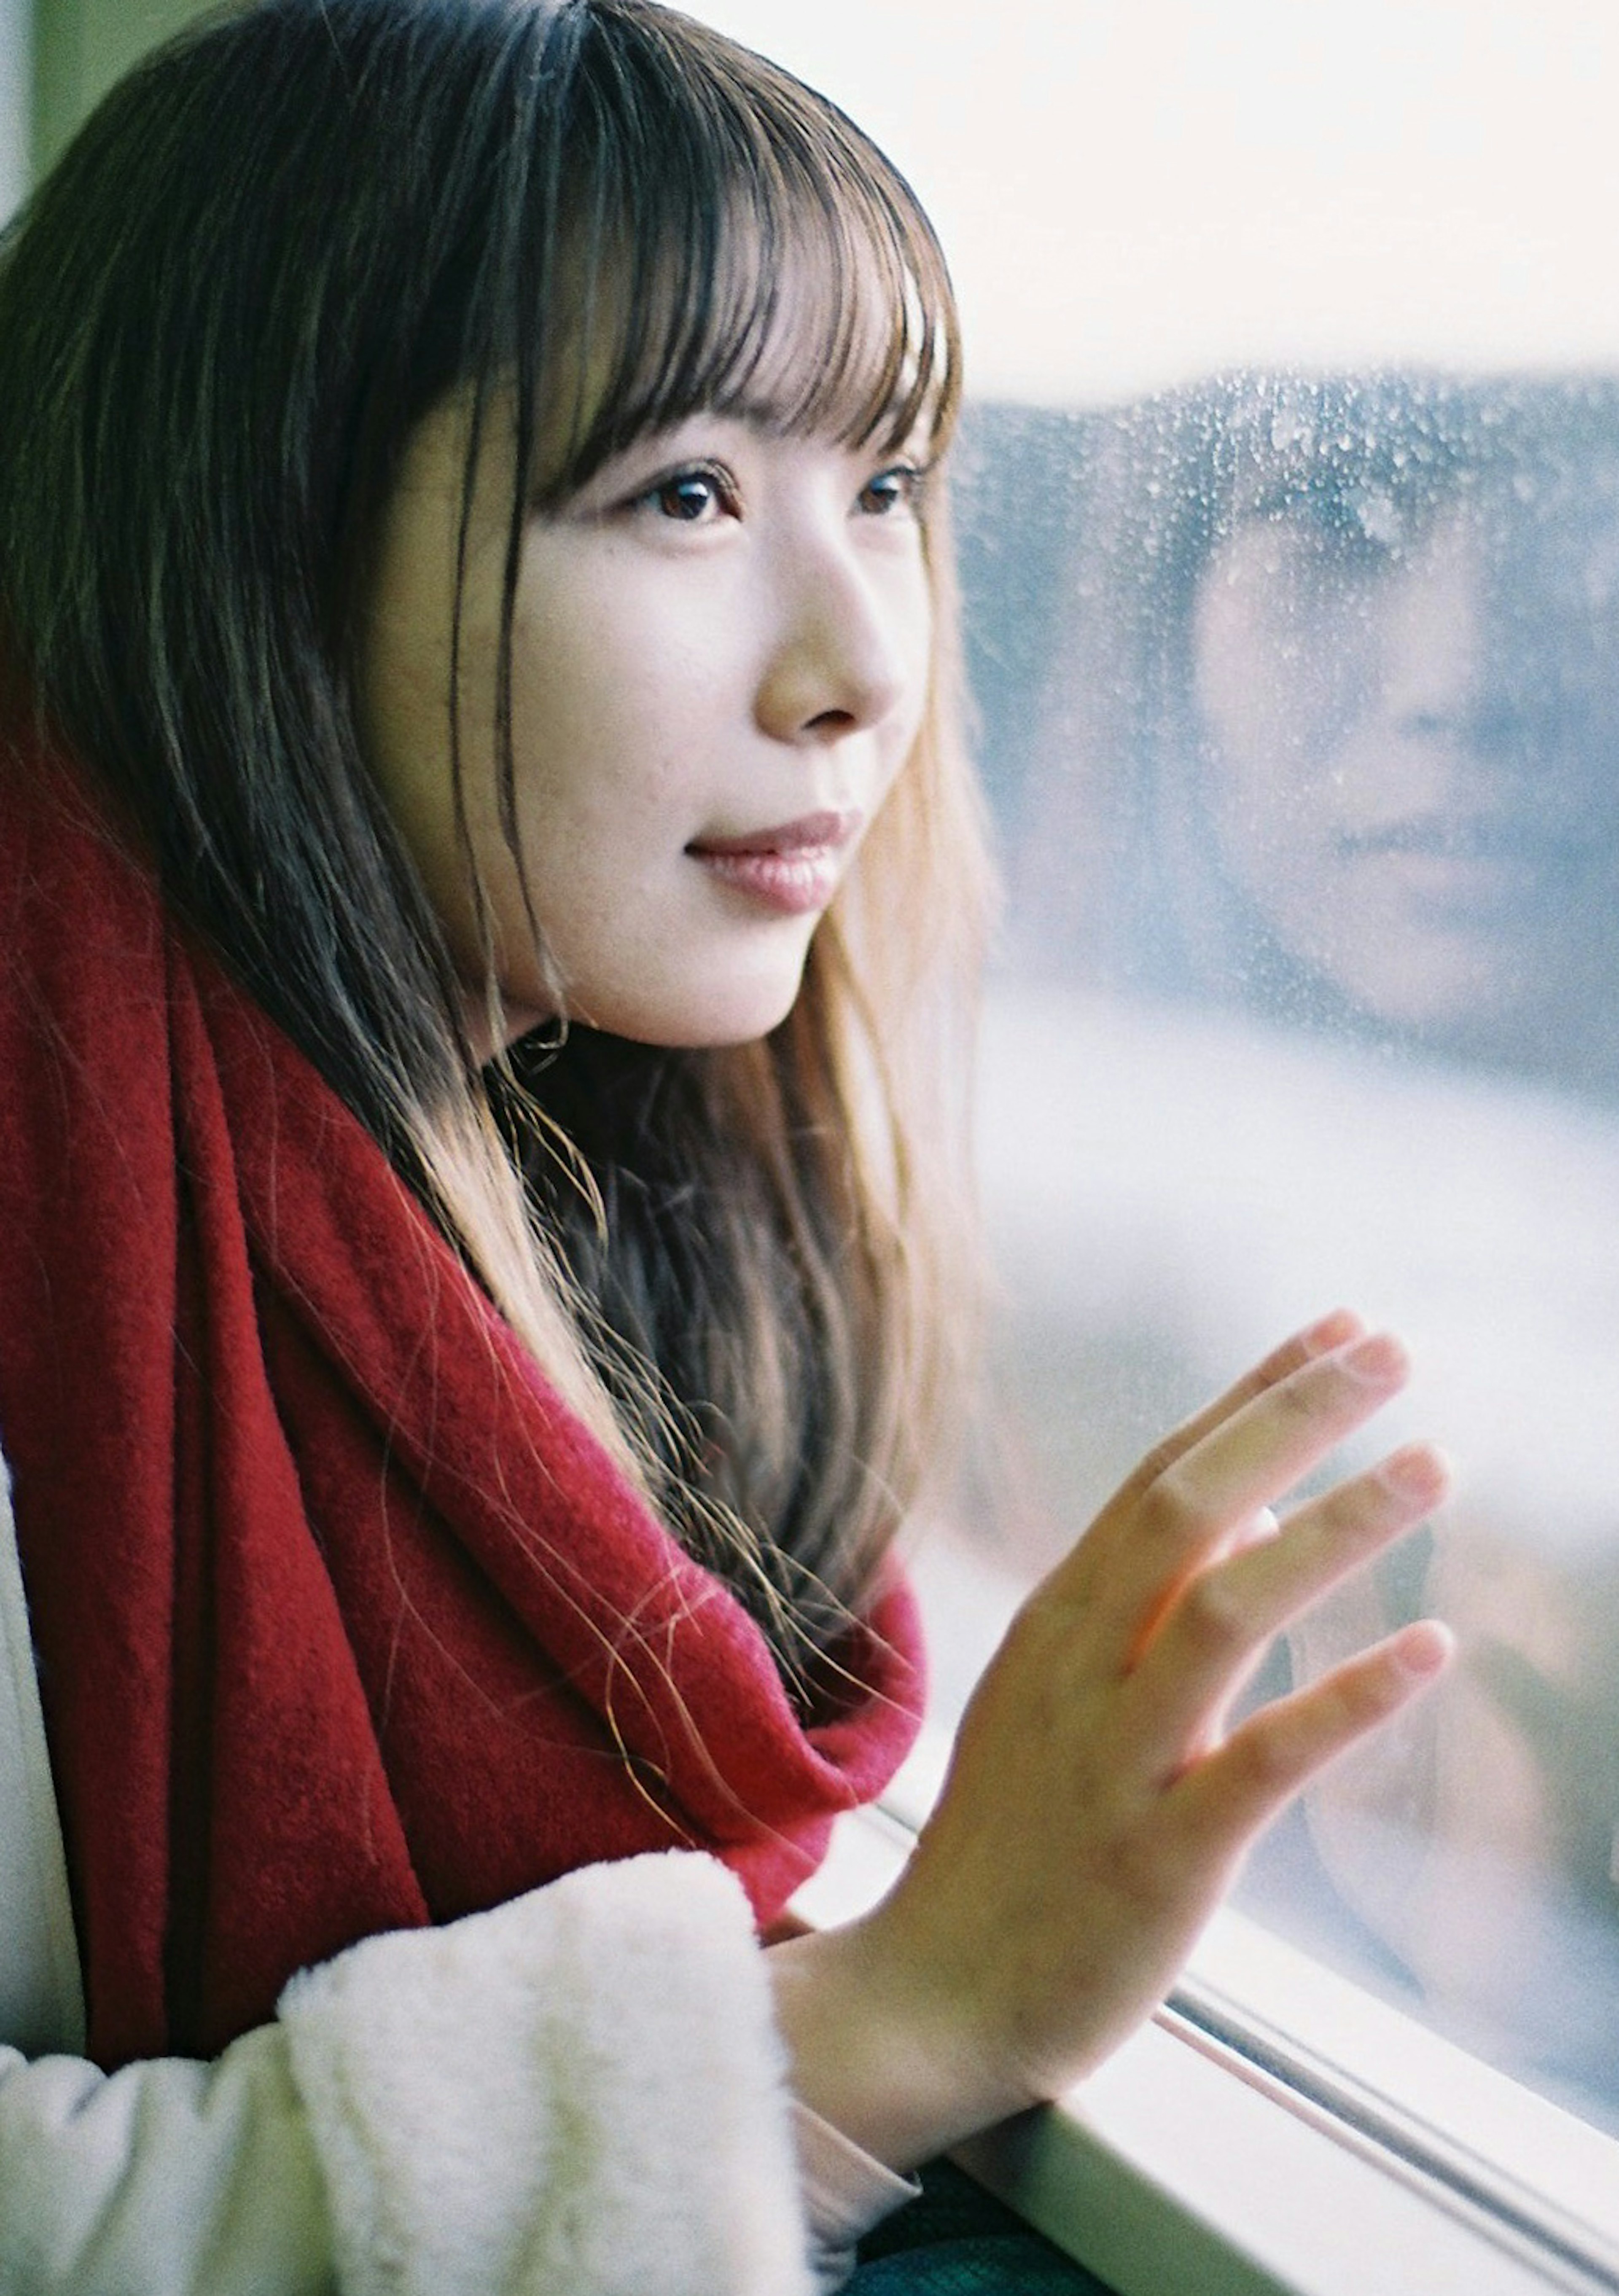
(344, 1622)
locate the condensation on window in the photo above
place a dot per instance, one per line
(1299, 705)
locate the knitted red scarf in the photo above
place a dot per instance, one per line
(344, 1622)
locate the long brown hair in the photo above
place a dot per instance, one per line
(275, 247)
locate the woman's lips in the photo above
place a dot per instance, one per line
(793, 868)
(1461, 868)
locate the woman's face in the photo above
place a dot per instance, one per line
(720, 656)
(1411, 755)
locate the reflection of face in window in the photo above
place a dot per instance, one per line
(1409, 733)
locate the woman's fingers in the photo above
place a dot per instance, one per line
(1129, 1571)
(1226, 1614)
(1223, 1801)
(1336, 1330)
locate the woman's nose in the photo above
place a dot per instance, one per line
(850, 648)
(1434, 657)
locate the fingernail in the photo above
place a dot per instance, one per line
(1333, 1331)
(1425, 1650)
(1420, 1474)
(1378, 1360)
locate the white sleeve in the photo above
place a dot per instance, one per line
(846, 2192)
(170, 2178)
(579, 2091)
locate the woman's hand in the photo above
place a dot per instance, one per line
(1096, 1807)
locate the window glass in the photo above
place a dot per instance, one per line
(1303, 745)
(1289, 507)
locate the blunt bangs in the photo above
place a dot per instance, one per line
(726, 242)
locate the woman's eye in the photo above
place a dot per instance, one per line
(899, 488)
(694, 497)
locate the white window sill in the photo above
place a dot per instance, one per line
(1370, 2159)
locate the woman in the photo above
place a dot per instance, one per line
(483, 680)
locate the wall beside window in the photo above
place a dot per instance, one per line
(79, 48)
(13, 102)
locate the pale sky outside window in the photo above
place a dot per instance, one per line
(1131, 195)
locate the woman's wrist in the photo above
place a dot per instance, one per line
(886, 2057)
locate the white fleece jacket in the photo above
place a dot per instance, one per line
(579, 2093)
